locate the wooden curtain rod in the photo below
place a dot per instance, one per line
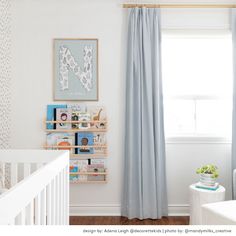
(129, 5)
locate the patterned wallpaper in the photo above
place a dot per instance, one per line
(5, 79)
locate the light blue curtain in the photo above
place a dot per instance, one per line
(144, 193)
(233, 28)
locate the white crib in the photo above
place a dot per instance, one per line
(40, 188)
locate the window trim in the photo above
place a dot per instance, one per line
(197, 139)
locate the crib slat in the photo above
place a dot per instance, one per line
(63, 196)
(60, 199)
(30, 214)
(43, 207)
(14, 174)
(53, 202)
(57, 197)
(27, 169)
(22, 217)
(67, 183)
(49, 204)
(38, 209)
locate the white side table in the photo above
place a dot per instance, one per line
(198, 197)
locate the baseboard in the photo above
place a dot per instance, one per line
(178, 210)
(114, 210)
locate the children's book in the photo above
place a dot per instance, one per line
(100, 163)
(83, 167)
(96, 168)
(52, 138)
(63, 114)
(84, 139)
(84, 117)
(98, 140)
(98, 113)
(75, 117)
(65, 143)
(74, 167)
(51, 114)
(77, 107)
(202, 186)
(74, 177)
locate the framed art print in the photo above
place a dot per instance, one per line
(76, 69)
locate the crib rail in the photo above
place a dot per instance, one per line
(41, 198)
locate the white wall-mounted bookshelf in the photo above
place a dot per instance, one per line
(99, 151)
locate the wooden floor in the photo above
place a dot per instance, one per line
(117, 220)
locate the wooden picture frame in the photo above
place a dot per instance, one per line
(75, 69)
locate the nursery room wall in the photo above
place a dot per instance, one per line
(34, 25)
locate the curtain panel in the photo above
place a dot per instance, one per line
(233, 162)
(144, 191)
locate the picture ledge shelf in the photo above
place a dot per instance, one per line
(93, 128)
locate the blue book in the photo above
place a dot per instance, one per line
(202, 186)
(84, 139)
(51, 114)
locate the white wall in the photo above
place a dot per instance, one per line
(35, 24)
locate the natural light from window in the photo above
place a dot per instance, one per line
(197, 84)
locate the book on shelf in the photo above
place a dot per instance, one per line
(53, 139)
(51, 114)
(75, 117)
(84, 139)
(78, 166)
(84, 117)
(64, 143)
(207, 187)
(98, 140)
(74, 177)
(83, 167)
(96, 169)
(77, 107)
(100, 163)
(74, 166)
(98, 113)
(63, 114)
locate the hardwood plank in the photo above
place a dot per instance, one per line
(119, 220)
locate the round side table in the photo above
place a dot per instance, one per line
(198, 197)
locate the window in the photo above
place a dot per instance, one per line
(197, 84)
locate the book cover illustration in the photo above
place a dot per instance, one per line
(83, 167)
(75, 117)
(51, 114)
(84, 117)
(74, 177)
(96, 168)
(52, 138)
(99, 139)
(65, 143)
(74, 167)
(97, 113)
(77, 107)
(100, 163)
(84, 140)
(63, 114)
